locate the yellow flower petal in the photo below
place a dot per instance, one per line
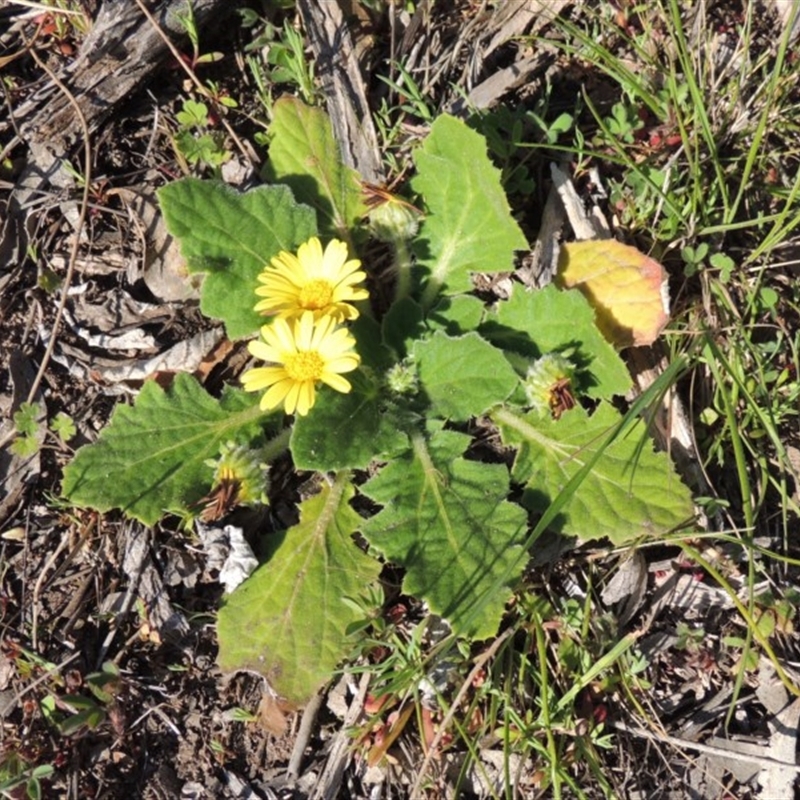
(276, 395)
(264, 352)
(305, 397)
(336, 382)
(317, 280)
(302, 352)
(290, 403)
(343, 364)
(280, 337)
(256, 379)
(304, 331)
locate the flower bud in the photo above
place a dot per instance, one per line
(548, 385)
(402, 378)
(241, 465)
(393, 221)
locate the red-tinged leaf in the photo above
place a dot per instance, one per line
(396, 724)
(627, 289)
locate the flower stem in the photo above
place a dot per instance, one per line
(277, 445)
(402, 265)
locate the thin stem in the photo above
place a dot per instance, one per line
(402, 265)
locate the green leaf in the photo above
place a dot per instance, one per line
(463, 376)
(29, 422)
(193, 114)
(26, 419)
(347, 431)
(288, 621)
(402, 324)
(629, 491)
(468, 226)
(25, 446)
(63, 426)
(447, 521)
(149, 460)
(207, 148)
(304, 155)
(231, 236)
(548, 320)
(457, 314)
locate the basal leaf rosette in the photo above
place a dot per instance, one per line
(300, 354)
(324, 282)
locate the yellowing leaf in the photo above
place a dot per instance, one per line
(627, 289)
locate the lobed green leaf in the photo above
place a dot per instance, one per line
(462, 376)
(231, 236)
(446, 520)
(288, 621)
(629, 491)
(468, 226)
(149, 460)
(346, 431)
(304, 155)
(548, 320)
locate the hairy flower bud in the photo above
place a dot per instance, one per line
(402, 378)
(243, 466)
(548, 385)
(393, 221)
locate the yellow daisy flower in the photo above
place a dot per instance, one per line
(313, 280)
(301, 351)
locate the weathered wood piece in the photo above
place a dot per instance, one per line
(116, 59)
(343, 86)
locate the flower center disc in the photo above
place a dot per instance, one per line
(316, 294)
(307, 365)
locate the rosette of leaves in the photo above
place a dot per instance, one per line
(432, 362)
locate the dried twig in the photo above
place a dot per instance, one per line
(73, 256)
(303, 736)
(720, 752)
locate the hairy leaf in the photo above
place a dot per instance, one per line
(629, 490)
(304, 155)
(347, 431)
(149, 460)
(447, 521)
(547, 320)
(463, 376)
(457, 314)
(231, 236)
(288, 621)
(402, 325)
(468, 226)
